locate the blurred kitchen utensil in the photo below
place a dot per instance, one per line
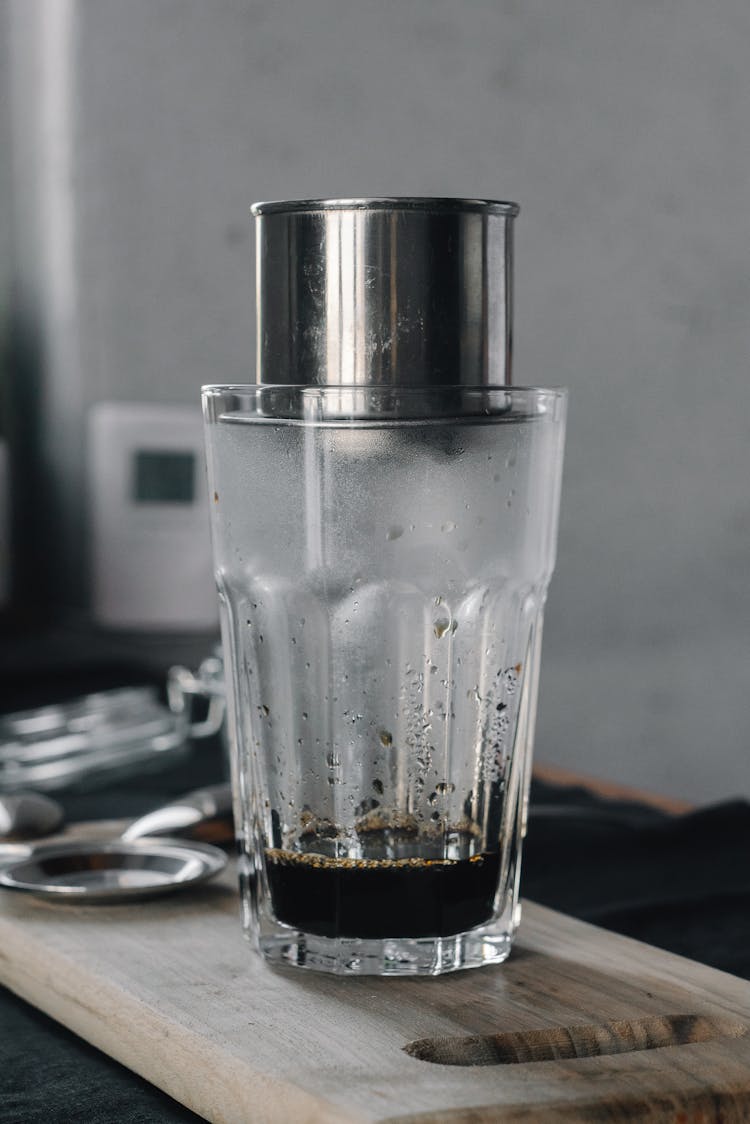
(146, 860)
(26, 815)
(114, 871)
(204, 815)
(89, 740)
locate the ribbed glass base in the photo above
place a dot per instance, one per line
(431, 956)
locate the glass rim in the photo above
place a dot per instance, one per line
(379, 406)
(217, 390)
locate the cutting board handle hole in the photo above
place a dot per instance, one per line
(578, 1041)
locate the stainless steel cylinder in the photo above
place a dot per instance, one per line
(387, 291)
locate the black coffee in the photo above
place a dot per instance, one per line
(381, 898)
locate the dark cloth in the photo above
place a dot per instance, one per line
(682, 883)
(50, 1076)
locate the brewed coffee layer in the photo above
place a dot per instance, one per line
(381, 898)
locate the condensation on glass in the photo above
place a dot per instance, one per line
(382, 557)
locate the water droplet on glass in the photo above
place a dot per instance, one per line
(432, 798)
(448, 527)
(377, 784)
(445, 788)
(441, 626)
(386, 738)
(395, 532)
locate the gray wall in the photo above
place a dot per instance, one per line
(624, 131)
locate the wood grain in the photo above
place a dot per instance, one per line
(578, 1041)
(171, 989)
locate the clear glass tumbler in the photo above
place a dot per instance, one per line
(382, 557)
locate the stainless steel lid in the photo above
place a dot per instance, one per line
(391, 291)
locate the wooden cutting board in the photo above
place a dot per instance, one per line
(578, 1024)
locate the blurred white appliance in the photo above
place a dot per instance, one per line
(150, 550)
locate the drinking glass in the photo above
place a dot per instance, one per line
(382, 557)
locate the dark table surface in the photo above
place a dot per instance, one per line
(679, 882)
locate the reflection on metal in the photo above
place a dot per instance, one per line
(113, 871)
(387, 291)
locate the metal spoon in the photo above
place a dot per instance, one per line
(204, 814)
